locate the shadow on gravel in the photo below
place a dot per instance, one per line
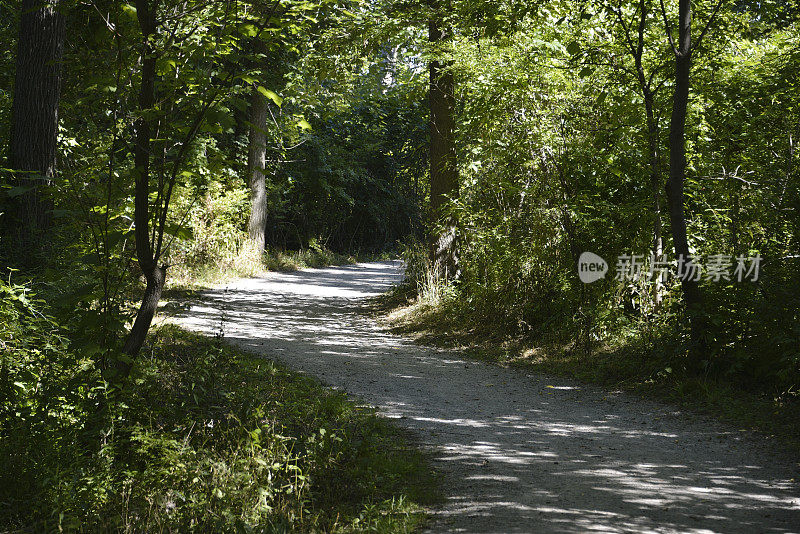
(519, 453)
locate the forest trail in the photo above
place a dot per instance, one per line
(518, 453)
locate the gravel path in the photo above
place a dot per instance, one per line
(518, 453)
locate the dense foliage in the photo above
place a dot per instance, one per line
(208, 439)
(357, 181)
(232, 136)
(554, 161)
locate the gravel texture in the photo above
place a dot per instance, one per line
(517, 452)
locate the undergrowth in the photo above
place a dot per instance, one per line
(242, 261)
(214, 247)
(646, 355)
(206, 438)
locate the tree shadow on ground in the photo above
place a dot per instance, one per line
(520, 453)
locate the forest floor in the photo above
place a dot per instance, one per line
(517, 452)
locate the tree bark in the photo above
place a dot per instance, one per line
(443, 169)
(155, 279)
(34, 112)
(154, 274)
(677, 173)
(256, 162)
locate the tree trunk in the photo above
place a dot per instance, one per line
(256, 161)
(34, 112)
(147, 310)
(154, 275)
(677, 171)
(443, 170)
(655, 184)
(637, 49)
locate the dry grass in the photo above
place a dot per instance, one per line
(650, 368)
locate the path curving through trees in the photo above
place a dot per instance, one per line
(518, 453)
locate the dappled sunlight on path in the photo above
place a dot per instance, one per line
(518, 453)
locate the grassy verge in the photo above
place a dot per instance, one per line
(211, 439)
(640, 367)
(244, 263)
(184, 280)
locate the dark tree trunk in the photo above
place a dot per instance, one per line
(645, 86)
(256, 162)
(443, 169)
(154, 274)
(155, 278)
(34, 111)
(677, 172)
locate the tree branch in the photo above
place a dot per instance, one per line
(668, 28)
(708, 24)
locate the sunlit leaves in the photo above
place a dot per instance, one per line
(277, 100)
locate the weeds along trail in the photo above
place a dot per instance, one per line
(518, 453)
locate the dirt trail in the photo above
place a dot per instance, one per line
(518, 453)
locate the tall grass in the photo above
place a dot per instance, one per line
(242, 260)
(423, 278)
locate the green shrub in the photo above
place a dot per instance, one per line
(204, 439)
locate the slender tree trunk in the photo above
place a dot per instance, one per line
(637, 50)
(155, 279)
(256, 161)
(154, 274)
(655, 184)
(677, 172)
(34, 111)
(443, 169)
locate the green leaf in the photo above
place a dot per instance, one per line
(573, 48)
(304, 124)
(271, 95)
(181, 232)
(249, 30)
